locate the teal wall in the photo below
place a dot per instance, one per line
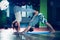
(2, 18)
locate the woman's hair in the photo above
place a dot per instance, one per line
(14, 23)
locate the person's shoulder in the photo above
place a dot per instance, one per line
(40, 14)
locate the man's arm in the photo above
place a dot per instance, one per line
(26, 30)
(49, 25)
(29, 25)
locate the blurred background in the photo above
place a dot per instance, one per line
(49, 8)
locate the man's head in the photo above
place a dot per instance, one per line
(36, 12)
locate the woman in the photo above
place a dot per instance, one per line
(18, 17)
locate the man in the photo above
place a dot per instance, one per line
(38, 18)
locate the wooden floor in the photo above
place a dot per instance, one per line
(10, 34)
(34, 30)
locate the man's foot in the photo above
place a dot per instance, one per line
(53, 31)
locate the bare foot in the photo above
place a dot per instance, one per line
(53, 31)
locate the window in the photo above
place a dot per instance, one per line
(23, 14)
(27, 11)
(24, 11)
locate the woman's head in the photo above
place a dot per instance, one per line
(16, 23)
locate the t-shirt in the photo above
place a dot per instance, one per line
(17, 13)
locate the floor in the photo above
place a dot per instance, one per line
(10, 34)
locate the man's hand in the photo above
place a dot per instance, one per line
(26, 30)
(22, 33)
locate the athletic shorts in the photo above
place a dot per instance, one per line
(37, 19)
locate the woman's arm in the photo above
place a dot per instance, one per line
(13, 23)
